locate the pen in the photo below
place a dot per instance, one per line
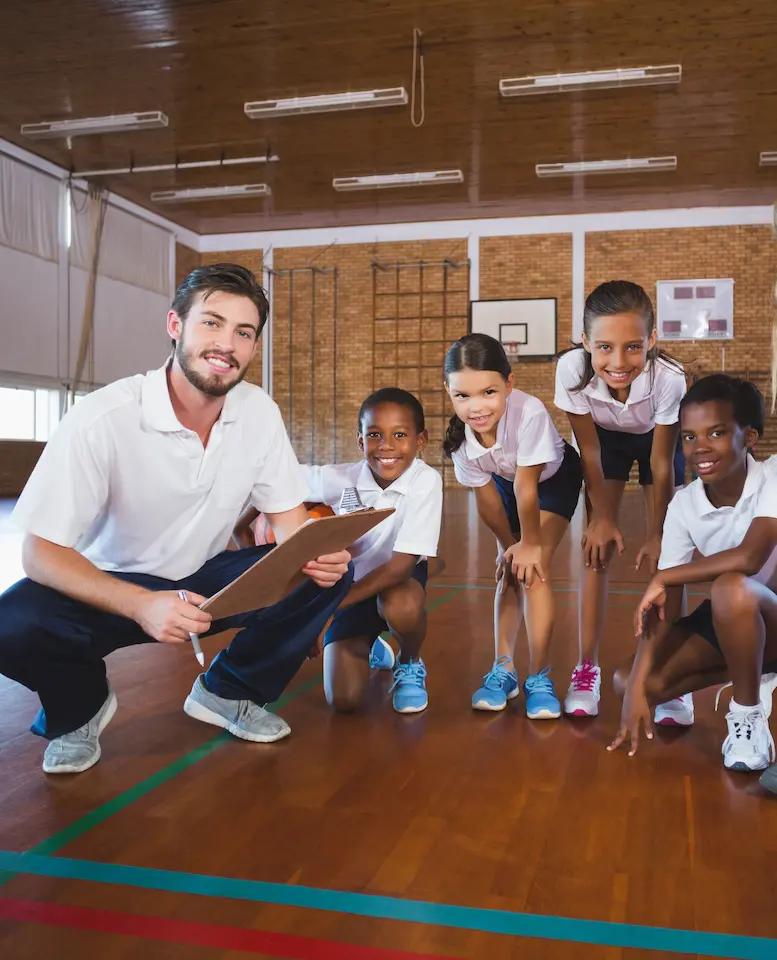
(193, 636)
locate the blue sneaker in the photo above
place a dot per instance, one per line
(409, 687)
(499, 686)
(381, 655)
(541, 700)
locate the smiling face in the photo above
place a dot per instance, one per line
(713, 442)
(479, 398)
(216, 341)
(619, 346)
(390, 441)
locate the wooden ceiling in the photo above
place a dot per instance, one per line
(199, 61)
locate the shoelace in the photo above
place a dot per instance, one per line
(250, 711)
(744, 724)
(584, 677)
(496, 676)
(539, 682)
(413, 672)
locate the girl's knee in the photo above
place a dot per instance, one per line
(342, 701)
(404, 604)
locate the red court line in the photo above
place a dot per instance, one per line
(199, 934)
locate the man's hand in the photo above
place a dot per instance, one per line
(327, 570)
(649, 552)
(635, 714)
(165, 617)
(525, 561)
(600, 533)
(654, 599)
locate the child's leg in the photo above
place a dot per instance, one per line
(744, 612)
(346, 672)
(540, 605)
(508, 617)
(403, 607)
(593, 596)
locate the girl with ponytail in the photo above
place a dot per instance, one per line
(527, 482)
(622, 397)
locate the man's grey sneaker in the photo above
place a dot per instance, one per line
(242, 718)
(77, 751)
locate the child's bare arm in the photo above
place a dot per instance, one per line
(492, 512)
(389, 574)
(242, 535)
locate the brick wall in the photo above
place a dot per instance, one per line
(523, 268)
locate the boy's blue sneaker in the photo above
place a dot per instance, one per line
(541, 700)
(409, 687)
(499, 686)
(381, 655)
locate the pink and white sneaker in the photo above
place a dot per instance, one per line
(582, 699)
(675, 713)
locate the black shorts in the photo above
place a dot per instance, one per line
(558, 494)
(363, 619)
(700, 621)
(620, 450)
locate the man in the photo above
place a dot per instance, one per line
(127, 517)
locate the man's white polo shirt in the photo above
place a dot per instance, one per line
(525, 436)
(693, 523)
(416, 496)
(654, 396)
(125, 484)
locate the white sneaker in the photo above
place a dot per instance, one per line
(78, 751)
(582, 699)
(675, 713)
(749, 744)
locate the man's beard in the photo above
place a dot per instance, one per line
(213, 385)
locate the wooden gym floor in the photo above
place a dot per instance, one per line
(384, 837)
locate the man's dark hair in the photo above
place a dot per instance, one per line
(747, 402)
(394, 395)
(223, 278)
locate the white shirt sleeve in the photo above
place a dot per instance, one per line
(670, 390)
(569, 370)
(70, 485)
(676, 544)
(767, 496)
(419, 533)
(538, 440)
(279, 484)
(468, 472)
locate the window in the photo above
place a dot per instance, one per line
(28, 413)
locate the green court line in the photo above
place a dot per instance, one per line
(120, 802)
(504, 922)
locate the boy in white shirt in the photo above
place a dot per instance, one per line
(390, 561)
(729, 517)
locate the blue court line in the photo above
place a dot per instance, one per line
(505, 922)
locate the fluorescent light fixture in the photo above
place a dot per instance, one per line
(767, 158)
(629, 165)
(211, 193)
(386, 180)
(591, 80)
(189, 165)
(326, 102)
(117, 123)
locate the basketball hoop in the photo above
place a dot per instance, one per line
(512, 349)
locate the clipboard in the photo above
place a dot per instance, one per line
(279, 571)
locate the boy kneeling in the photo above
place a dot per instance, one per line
(729, 516)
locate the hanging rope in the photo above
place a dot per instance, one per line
(97, 204)
(418, 74)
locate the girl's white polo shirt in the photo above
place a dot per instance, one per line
(525, 436)
(654, 396)
(693, 523)
(126, 485)
(416, 497)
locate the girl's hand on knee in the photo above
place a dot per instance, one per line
(525, 561)
(597, 540)
(635, 715)
(649, 552)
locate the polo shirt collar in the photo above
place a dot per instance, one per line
(474, 448)
(639, 389)
(366, 482)
(752, 483)
(157, 406)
